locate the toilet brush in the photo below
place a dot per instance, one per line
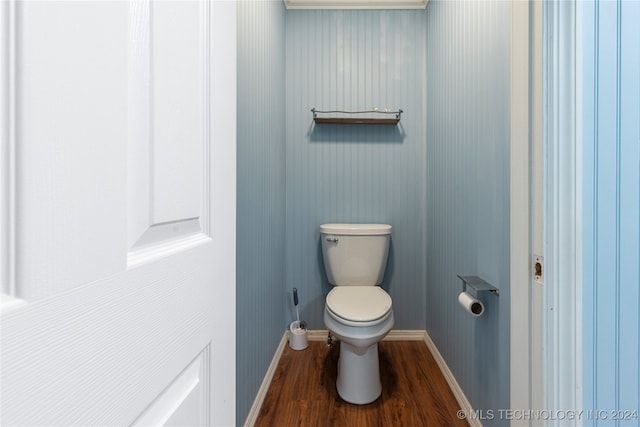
(297, 329)
(300, 324)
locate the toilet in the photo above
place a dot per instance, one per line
(357, 311)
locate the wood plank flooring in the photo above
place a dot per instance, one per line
(414, 392)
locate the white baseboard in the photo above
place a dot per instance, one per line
(405, 335)
(266, 382)
(317, 334)
(394, 335)
(451, 380)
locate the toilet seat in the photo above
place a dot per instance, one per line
(358, 305)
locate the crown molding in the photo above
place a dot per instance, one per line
(355, 4)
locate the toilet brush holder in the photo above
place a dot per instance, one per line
(298, 335)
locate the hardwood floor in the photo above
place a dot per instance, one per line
(414, 392)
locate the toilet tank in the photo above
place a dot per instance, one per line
(355, 254)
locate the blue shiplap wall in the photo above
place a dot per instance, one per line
(261, 195)
(355, 60)
(468, 137)
(611, 208)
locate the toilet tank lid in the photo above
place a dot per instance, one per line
(355, 229)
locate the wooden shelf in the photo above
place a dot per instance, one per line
(354, 121)
(351, 117)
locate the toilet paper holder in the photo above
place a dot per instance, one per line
(477, 284)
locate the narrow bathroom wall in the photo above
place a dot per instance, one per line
(468, 119)
(356, 60)
(260, 195)
(610, 72)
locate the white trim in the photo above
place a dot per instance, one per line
(222, 202)
(355, 4)
(461, 398)
(266, 382)
(537, 163)
(406, 335)
(520, 215)
(563, 337)
(394, 335)
(317, 334)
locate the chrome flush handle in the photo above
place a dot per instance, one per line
(332, 239)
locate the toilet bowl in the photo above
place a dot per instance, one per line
(357, 311)
(358, 379)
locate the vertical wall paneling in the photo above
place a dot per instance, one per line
(611, 206)
(355, 60)
(468, 175)
(260, 194)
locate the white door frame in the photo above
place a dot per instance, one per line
(546, 353)
(526, 205)
(562, 213)
(520, 384)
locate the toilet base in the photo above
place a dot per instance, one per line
(358, 379)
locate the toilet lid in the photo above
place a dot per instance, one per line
(359, 303)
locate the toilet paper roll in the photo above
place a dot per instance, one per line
(472, 305)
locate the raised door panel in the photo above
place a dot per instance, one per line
(168, 142)
(102, 353)
(184, 401)
(178, 55)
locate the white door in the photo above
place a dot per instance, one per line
(117, 172)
